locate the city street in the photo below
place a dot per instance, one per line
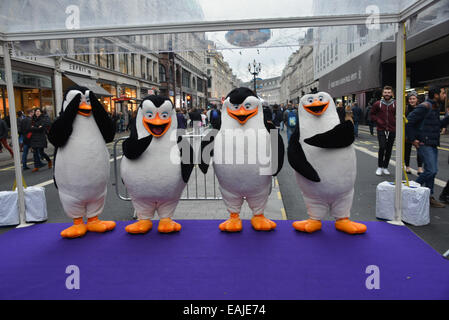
(285, 201)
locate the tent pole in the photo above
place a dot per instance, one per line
(400, 89)
(14, 132)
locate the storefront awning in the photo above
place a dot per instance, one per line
(90, 84)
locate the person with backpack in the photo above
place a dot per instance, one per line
(423, 130)
(215, 118)
(277, 116)
(290, 120)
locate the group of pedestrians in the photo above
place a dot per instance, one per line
(32, 127)
(422, 131)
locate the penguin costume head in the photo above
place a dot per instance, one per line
(154, 117)
(84, 108)
(317, 107)
(240, 106)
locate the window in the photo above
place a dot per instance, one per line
(162, 73)
(81, 48)
(208, 60)
(133, 70)
(155, 71)
(142, 67)
(123, 62)
(186, 78)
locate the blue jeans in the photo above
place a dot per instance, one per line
(26, 148)
(289, 133)
(356, 128)
(429, 156)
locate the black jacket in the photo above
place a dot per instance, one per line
(424, 124)
(39, 129)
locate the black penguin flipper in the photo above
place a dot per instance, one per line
(54, 165)
(186, 158)
(62, 127)
(207, 150)
(280, 146)
(341, 136)
(133, 147)
(104, 122)
(298, 160)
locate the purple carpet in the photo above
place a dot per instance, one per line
(201, 262)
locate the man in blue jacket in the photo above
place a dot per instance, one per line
(423, 129)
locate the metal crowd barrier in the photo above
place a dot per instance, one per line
(188, 194)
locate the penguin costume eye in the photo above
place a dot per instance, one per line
(310, 100)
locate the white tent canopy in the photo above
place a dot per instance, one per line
(29, 26)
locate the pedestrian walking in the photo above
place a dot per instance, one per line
(20, 117)
(290, 120)
(412, 103)
(277, 116)
(39, 129)
(368, 120)
(182, 121)
(341, 112)
(357, 117)
(383, 113)
(26, 130)
(423, 128)
(4, 136)
(215, 118)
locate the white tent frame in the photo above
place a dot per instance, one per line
(210, 26)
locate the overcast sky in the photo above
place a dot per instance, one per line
(272, 59)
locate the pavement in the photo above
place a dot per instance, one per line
(285, 202)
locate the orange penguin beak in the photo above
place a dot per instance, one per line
(242, 115)
(157, 127)
(317, 108)
(85, 109)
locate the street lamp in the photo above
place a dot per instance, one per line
(255, 70)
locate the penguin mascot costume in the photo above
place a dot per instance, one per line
(321, 152)
(156, 166)
(81, 170)
(242, 117)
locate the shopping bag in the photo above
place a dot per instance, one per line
(9, 211)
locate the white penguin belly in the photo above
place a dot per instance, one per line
(82, 166)
(247, 178)
(154, 176)
(335, 167)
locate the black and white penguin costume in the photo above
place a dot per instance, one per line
(242, 117)
(153, 168)
(82, 167)
(321, 152)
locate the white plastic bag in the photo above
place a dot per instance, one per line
(415, 203)
(35, 204)
(9, 211)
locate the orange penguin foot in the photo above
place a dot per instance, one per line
(309, 225)
(139, 227)
(78, 229)
(233, 224)
(96, 225)
(349, 226)
(260, 223)
(167, 225)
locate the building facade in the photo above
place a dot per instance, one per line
(298, 76)
(220, 77)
